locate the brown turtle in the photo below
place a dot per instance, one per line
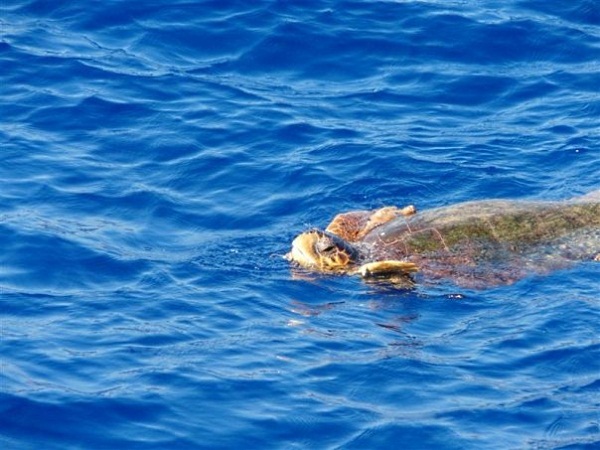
(475, 244)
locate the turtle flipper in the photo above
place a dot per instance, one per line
(385, 214)
(353, 226)
(389, 269)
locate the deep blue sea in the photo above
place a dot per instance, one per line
(157, 159)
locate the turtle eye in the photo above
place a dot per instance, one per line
(325, 246)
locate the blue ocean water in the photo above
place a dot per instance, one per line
(158, 157)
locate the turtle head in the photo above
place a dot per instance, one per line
(320, 250)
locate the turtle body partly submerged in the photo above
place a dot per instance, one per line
(475, 244)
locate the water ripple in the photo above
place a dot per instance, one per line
(158, 159)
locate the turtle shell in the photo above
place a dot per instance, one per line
(490, 242)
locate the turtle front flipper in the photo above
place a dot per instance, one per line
(353, 226)
(387, 270)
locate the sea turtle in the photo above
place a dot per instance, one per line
(475, 244)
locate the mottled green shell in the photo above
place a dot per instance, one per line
(494, 221)
(514, 234)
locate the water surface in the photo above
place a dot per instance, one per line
(158, 158)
